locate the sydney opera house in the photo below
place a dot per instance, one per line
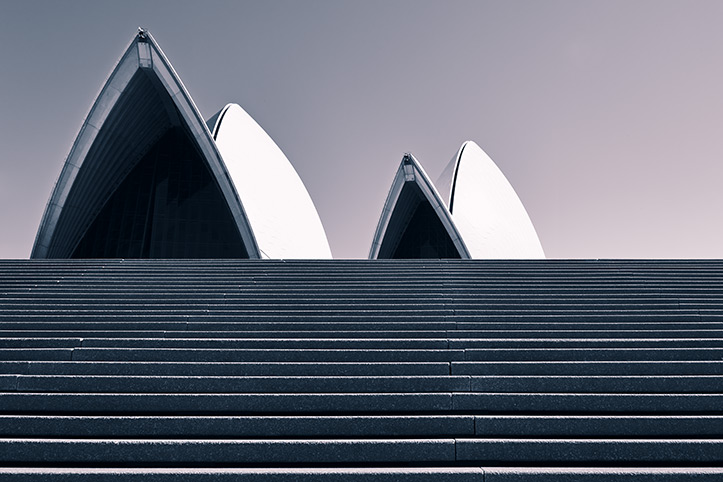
(147, 177)
(181, 321)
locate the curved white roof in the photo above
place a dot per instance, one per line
(410, 172)
(282, 216)
(142, 97)
(486, 210)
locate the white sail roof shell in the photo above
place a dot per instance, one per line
(487, 211)
(410, 171)
(278, 207)
(143, 54)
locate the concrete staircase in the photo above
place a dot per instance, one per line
(361, 370)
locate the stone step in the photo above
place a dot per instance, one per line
(304, 268)
(413, 320)
(210, 452)
(225, 368)
(26, 354)
(589, 451)
(240, 298)
(363, 384)
(361, 403)
(334, 286)
(478, 321)
(400, 426)
(404, 426)
(295, 269)
(338, 309)
(362, 368)
(584, 330)
(275, 343)
(602, 332)
(370, 280)
(239, 343)
(273, 384)
(601, 474)
(581, 384)
(424, 267)
(588, 341)
(326, 474)
(170, 289)
(377, 474)
(140, 323)
(222, 334)
(247, 355)
(385, 320)
(84, 403)
(14, 304)
(360, 355)
(54, 326)
(593, 354)
(599, 426)
(710, 367)
(583, 403)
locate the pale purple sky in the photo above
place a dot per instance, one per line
(606, 116)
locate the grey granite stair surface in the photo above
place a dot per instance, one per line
(354, 370)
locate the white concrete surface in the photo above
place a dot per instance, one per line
(282, 215)
(487, 211)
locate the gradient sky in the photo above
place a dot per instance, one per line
(606, 116)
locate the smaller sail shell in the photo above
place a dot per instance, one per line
(282, 216)
(397, 212)
(487, 211)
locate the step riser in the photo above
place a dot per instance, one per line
(454, 426)
(225, 369)
(553, 403)
(366, 384)
(409, 474)
(109, 384)
(213, 452)
(238, 427)
(588, 368)
(216, 452)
